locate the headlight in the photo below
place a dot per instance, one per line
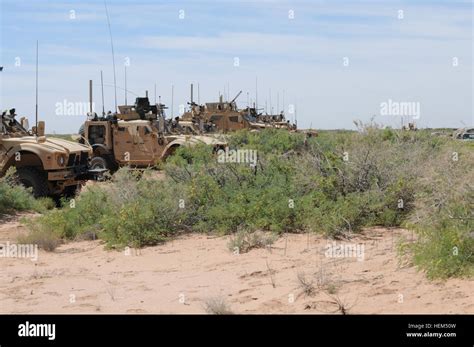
(61, 159)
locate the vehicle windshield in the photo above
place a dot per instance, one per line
(250, 117)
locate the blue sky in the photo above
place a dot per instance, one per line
(407, 59)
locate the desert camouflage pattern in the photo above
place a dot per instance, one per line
(138, 136)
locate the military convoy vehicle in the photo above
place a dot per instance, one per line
(225, 116)
(410, 127)
(49, 166)
(138, 136)
(466, 134)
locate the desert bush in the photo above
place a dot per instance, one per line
(218, 306)
(14, 197)
(128, 211)
(45, 239)
(336, 184)
(306, 285)
(444, 218)
(149, 218)
(268, 141)
(243, 241)
(83, 216)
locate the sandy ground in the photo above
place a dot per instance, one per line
(184, 275)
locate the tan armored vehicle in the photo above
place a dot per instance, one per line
(136, 137)
(411, 127)
(50, 166)
(224, 116)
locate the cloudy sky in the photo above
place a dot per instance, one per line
(336, 61)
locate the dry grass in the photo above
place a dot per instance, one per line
(306, 285)
(244, 241)
(218, 306)
(46, 240)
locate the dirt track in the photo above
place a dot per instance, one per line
(182, 275)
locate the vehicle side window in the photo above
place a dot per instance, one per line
(96, 134)
(234, 119)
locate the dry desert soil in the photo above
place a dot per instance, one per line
(185, 275)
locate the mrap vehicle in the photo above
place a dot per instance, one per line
(49, 166)
(135, 137)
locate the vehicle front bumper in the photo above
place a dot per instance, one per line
(76, 175)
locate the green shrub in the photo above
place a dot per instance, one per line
(14, 197)
(45, 239)
(336, 183)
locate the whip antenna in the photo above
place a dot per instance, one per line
(113, 54)
(102, 84)
(36, 111)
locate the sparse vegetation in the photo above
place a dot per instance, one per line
(336, 184)
(14, 197)
(306, 284)
(342, 307)
(321, 282)
(243, 241)
(47, 240)
(218, 306)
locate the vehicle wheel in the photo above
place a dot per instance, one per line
(99, 163)
(170, 152)
(36, 179)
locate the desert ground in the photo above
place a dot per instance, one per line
(186, 275)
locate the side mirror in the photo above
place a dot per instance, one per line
(41, 129)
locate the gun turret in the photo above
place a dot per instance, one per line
(238, 94)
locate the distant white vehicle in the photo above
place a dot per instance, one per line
(466, 134)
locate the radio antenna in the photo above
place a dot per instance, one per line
(113, 54)
(256, 93)
(36, 111)
(125, 85)
(102, 84)
(172, 100)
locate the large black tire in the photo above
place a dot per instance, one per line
(34, 178)
(104, 161)
(71, 191)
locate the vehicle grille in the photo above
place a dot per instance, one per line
(84, 157)
(78, 159)
(72, 159)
